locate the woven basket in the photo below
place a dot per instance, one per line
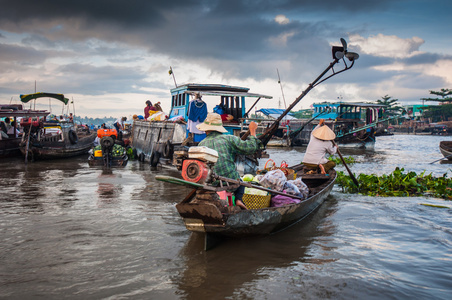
(256, 201)
(290, 173)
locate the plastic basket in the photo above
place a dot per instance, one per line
(256, 201)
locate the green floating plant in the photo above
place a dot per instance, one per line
(399, 184)
(348, 160)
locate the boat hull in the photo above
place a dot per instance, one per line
(54, 149)
(115, 161)
(446, 149)
(207, 218)
(9, 147)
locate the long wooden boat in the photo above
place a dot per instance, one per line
(446, 149)
(56, 140)
(51, 139)
(210, 217)
(10, 146)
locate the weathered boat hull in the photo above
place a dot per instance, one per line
(446, 149)
(156, 136)
(47, 149)
(114, 162)
(207, 218)
(9, 147)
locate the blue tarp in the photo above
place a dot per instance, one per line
(275, 113)
(272, 111)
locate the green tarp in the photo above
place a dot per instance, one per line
(27, 98)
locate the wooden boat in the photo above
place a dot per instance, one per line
(215, 220)
(9, 146)
(115, 161)
(156, 141)
(345, 120)
(108, 154)
(54, 138)
(446, 149)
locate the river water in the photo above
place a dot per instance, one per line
(69, 231)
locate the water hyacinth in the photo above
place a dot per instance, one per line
(398, 184)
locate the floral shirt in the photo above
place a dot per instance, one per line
(228, 146)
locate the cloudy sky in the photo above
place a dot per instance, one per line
(111, 56)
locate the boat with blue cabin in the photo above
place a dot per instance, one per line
(353, 122)
(165, 141)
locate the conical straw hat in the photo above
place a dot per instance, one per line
(324, 133)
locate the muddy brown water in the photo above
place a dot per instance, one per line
(70, 231)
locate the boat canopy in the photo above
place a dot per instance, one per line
(16, 110)
(345, 110)
(217, 90)
(275, 113)
(27, 98)
(231, 98)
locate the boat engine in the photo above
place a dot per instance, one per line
(199, 164)
(107, 144)
(195, 170)
(35, 123)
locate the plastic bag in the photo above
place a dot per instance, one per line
(274, 180)
(158, 116)
(281, 200)
(257, 178)
(302, 187)
(291, 188)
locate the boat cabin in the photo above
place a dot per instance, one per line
(230, 98)
(350, 111)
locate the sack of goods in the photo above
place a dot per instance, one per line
(274, 180)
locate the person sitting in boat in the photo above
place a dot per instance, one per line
(13, 130)
(228, 146)
(158, 107)
(149, 109)
(71, 117)
(320, 144)
(137, 117)
(7, 124)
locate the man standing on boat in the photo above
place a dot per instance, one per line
(320, 144)
(228, 146)
(119, 124)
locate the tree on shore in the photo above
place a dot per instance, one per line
(438, 113)
(444, 94)
(391, 107)
(442, 112)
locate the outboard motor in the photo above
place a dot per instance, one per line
(107, 144)
(198, 166)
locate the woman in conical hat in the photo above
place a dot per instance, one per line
(319, 146)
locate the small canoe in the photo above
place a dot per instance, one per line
(446, 149)
(217, 221)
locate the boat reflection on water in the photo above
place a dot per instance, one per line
(234, 262)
